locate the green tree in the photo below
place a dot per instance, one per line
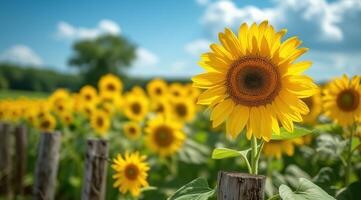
(105, 54)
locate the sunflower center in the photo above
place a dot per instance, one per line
(45, 124)
(163, 136)
(158, 91)
(253, 81)
(181, 110)
(136, 108)
(100, 121)
(348, 100)
(111, 87)
(132, 130)
(131, 172)
(88, 97)
(160, 108)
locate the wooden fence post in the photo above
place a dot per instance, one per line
(47, 166)
(5, 159)
(21, 142)
(95, 173)
(240, 186)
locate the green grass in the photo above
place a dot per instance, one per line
(13, 94)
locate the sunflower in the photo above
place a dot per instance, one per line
(132, 130)
(135, 107)
(46, 123)
(88, 94)
(183, 110)
(131, 173)
(67, 118)
(100, 122)
(253, 81)
(157, 88)
(161, 106)
(342, 100)
(314, 103)
(110, 84)
(275, 148)
(164, 136)
(176, 91)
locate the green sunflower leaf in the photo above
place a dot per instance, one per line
(305, 190)
(285, 135)
(197, 189)
(355, 143)
(221, 153)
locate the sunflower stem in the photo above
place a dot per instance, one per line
(254, 167)
(349, 158)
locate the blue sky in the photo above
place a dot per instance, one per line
(171, 34)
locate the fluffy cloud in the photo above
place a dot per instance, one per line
(202, 2)
(68, 31)
(196, 47)
(145, 58)
(331, 29)
(21, 54)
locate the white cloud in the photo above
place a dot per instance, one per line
(68, 31)
(196, 47)
(202, 2)
(145, 58)
(21, 54)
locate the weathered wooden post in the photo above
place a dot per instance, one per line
(5, 159)
(240, 186)
(47, 166)
(95, 173)
(21, 142)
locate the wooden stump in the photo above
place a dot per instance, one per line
(95, 170)
(240, 186)
(21, 142)
(47, 166)
(5, 159)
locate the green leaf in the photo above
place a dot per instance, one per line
(352, 192)
(355, 143)
(221, 153)
(305, 190)
(197, 189)
(285, 135)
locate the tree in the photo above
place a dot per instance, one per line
(105, 54)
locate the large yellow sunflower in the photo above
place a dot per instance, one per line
(100, 122)
(314, 103)
(131, 173)
(157, 88)
(164, 136)
(252, 81)
(135, 107)
(342, 100)
(110, 84)
(132, 130)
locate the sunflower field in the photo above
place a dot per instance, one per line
(252, 110)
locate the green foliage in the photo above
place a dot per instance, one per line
(35, 79)
(285, 135)
(306, 190)
(197, 189)
(221, 153)
(14, 94)
(105, 54)
(352, 192)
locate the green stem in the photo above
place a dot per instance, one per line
(349, 157)
(254, 166)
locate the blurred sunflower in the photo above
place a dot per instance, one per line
(88, 94)
(161, 106)
(275, 148)
(183, 110)
(342, 100)
(67, 118)
(314, 103)
(176, 91)
(253, 81)
(110, 84)
(135, 107)
(100, 122)
(132, 130)
(164, 136)
(131, 173)
(46, 123)
(157, 88)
